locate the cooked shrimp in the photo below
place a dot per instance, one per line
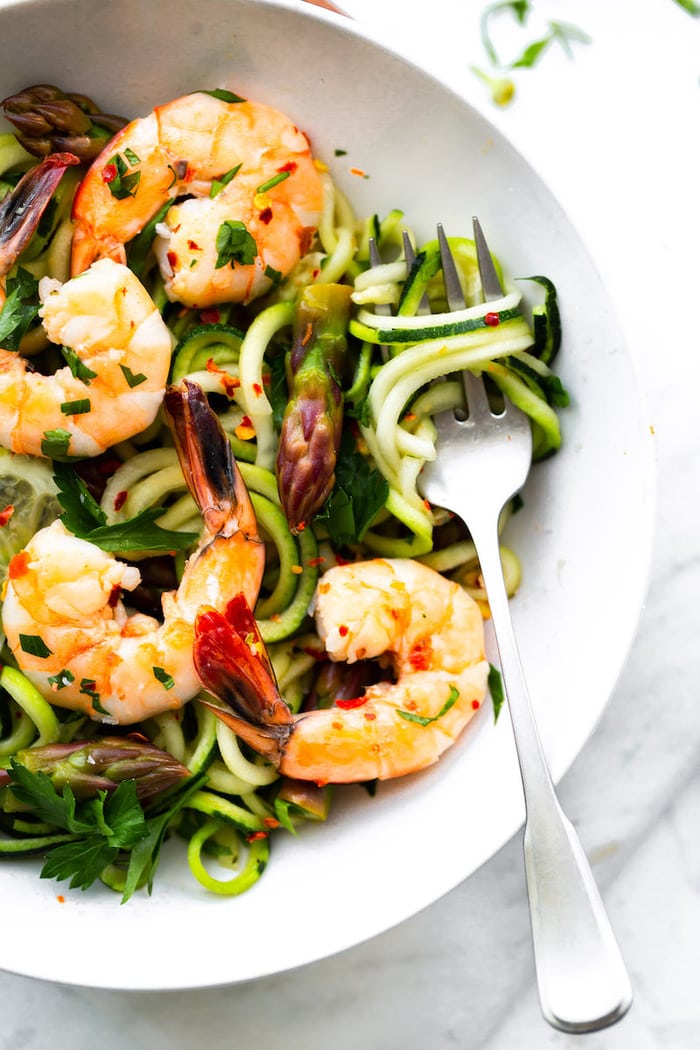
(114, 385)
(428, 626)
(248, 176)
(70, 632)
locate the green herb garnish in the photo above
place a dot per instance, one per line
(234, 244)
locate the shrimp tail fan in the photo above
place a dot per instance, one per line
(233, 665)
(205, 455)
(22, 208)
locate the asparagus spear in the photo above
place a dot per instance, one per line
(313, 419)
(89, 766)
(47, 120)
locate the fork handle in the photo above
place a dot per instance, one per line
(582, 981)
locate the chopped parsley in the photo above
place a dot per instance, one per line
(274, 181)
(496, 689)
(120, 177)
(76, 408)
(33, 645)
(55, 443)
(166, 680)
(217, 185)
(20, 309)
(132, 378)
(234, 244)
(224, 96)
(424, 720)
(78, 368)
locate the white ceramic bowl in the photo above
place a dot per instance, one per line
(584, 535)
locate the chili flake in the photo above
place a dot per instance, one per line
(256, 836)
(476, 705)
(109, 173)
(343, 630)
(353, 701)
(6, 514)
(120, 499)
(19, 566)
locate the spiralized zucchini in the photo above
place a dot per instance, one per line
(402, 369)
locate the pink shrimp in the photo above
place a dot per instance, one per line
(253, 197)
(428, 625)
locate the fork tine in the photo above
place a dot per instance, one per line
(490, 284)
(453, 289)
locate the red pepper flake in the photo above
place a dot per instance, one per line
(313, 562)
(426, 504)
(492, 319)
(193, 246)
(257, 389)
(114, 597)
(337, 725)
(358, 171)
(120, 499)
(256, 836)
(476, 705)
(419, 657)
(409, 417)
(271, 822)
(370, 716)
(172, 259)
(265, 216)
(340, 560)
(210, 316)
(317, 654)
(6, 514)
(352, 701)
(343, 630)
(291, 165)
(19, 566)
(60, 898)
(301, 526)
(315, 274)
(245, 429)
(109, 173)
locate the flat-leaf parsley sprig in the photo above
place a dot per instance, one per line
(83, 516)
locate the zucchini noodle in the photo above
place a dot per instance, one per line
(401, 370)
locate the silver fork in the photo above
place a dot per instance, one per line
(482, 460)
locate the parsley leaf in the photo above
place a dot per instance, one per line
(84, 517)
(496, 689)
(20, 309)
(359, 493)
(234, 244)
(123, 182)
(103, 826)
(224, 96)
(425, 720)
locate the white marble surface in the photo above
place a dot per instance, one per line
(615, 133)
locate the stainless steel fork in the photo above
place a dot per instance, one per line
(482, 460)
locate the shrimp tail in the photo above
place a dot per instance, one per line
(207, 462)
(233, 665)
(22, 208)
